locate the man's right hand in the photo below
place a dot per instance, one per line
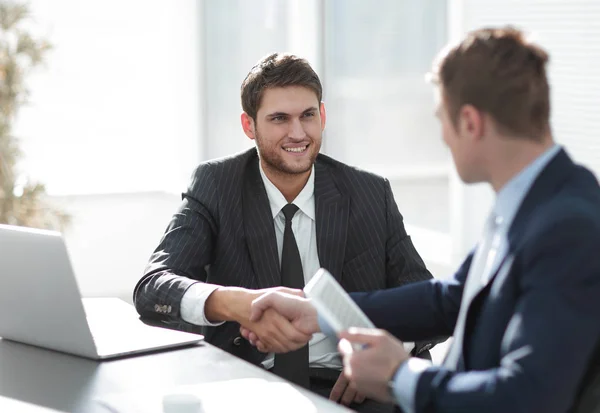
(277, 334)
(298, 310)
(234, 303)
(276, 331)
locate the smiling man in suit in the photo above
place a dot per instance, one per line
(269, 217)
(524, 305)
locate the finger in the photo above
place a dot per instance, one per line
(252, 336)
(287, 333)
(338, 388)
(272, 344)
(259, 305)
(245, 333)
(291, 291)
(353, 359)
(347, 370)
(257, 308)
(280, 344)
(365, 336)
(261, 347)
(280, 302)
(359, 398)
(348, 396)
(345, 347)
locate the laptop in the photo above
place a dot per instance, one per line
(40, 304)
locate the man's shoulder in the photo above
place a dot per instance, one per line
(576, 204)
(226, 165)
(221, 174)
(579, 196)
(564, 230)
(348, 172)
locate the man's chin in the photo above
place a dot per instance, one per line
(296, 170)
(470, 179)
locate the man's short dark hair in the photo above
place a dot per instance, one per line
(500, 73)
(277, 70)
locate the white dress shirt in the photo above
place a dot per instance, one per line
(322, 350)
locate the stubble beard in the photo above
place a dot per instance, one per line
(276, 162)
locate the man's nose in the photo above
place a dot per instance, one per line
(297, 130)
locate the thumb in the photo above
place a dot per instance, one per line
(260, 305)
(363, 336)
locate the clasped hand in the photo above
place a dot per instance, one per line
(366, 372)
(278, 329)
(273, 329)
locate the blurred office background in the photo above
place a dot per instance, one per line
(135, 93)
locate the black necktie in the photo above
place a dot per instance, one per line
(292, 366)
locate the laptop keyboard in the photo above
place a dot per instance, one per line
(117, 338)
(116, 329)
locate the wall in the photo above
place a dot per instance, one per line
(113, 127)
(135, 93)
(117, 106)
(112, 237)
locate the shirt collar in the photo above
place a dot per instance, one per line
(511, 195)
(305, 200)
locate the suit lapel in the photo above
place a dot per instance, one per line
(259, 228)
(544, 186)
(331, 209)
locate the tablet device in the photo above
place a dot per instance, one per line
(334, 304)
(336, 307)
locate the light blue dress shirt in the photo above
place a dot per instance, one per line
(508, 202)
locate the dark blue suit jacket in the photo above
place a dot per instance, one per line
(531, 332)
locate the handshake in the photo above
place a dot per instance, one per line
(280, 320)
(283, 320)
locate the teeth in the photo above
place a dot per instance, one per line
(301, 149)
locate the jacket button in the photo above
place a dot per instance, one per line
(237, 341)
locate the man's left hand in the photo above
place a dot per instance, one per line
(369, 370)
(345, 394)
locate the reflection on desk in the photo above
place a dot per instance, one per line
(248, 395)
(15, 406)
(73, 384)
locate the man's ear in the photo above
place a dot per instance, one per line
(248, 125)
(471, 122)
(323, 114)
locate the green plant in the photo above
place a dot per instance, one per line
(21, 202)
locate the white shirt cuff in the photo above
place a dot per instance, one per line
(192, 304)
(405, 382)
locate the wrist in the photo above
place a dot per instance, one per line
(396, 366)
(391, 384)
(228, 304)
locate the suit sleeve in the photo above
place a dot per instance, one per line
(184, 252)
(404, 264)
(417, 311)
(549, 339)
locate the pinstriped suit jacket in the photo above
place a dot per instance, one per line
(224, 234)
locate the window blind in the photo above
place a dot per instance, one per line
(570, 31)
